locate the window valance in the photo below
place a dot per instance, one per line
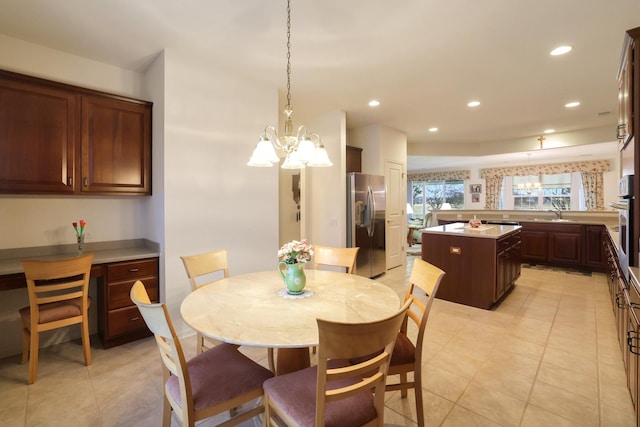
(439, 176)
(548, 169)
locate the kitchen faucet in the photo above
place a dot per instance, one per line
(556, 211)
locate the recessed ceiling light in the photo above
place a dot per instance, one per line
(549, 130)
(572, 104)
(561, 50)
(473, 103)
(374, 103)
(433, 129)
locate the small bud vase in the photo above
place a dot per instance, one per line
(293, 277)
(80, 244)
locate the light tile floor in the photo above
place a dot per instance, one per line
(547, 356)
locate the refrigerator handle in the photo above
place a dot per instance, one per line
(372, 211)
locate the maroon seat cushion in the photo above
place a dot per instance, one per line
(296, 394)
(219, 374)
(54, 311)
(403, 351)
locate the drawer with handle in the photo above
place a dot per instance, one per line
(125, 321)
(132, 270)
(118, 293)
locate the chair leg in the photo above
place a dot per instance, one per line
(419, 403)
(86, 343)
(166, 412)
(33, 356)
(26, 339)
(403, 380)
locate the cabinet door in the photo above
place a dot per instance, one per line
(534, 246)
(116, 146)
(625, 95)
(37, 138)
(565, 248)
(595, 249)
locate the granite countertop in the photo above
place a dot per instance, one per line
(104, 252)
(487, 231)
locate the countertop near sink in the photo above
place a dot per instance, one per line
(105, 252)
(606, 218)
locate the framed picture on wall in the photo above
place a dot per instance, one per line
(475, 188)
(475, 197)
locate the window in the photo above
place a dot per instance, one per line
(431, 195)
(544, 192)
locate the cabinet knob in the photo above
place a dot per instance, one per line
(134, 270)
(86, 181)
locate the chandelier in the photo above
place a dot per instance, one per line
(298, 146)
(530, 185)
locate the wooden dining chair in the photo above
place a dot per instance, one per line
(407, 354)
(200, 269)
(217, 380)
(58, 297)
(333, 256)
(334, 392)
(197, 267)
(336, 257)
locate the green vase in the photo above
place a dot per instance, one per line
(293, 276)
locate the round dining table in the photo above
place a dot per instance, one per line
(254, 309)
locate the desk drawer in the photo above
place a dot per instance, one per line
(131, 270)
(125, 321)
(118, 293)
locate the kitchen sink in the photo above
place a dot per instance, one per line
(562, 220)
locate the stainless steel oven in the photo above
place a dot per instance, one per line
(625, 223)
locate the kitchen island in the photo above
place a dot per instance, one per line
(481, 264)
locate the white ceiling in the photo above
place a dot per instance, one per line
(423, 59)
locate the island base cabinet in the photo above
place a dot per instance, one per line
(479, 271)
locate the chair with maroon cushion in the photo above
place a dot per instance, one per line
(407, 355)
(58, 297)
(217, 380)
(336, 393)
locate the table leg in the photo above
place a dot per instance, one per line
(410, 237)
(292, 359)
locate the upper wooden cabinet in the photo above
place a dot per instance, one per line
(62, 139)
(116, 146)
(354, 159)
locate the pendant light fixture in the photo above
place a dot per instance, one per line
(298, 147)
(530, 185)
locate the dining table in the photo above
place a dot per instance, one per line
(255, 309)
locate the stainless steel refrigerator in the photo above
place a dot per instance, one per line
(366, 207)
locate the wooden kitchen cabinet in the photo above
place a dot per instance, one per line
(565, 245)
(62, 139)
(534, 245)
(37, 138)
(116, 146)
(595, 254)
(479, 271)
(119, 320)
(354, 159)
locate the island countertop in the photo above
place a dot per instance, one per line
(487, 231)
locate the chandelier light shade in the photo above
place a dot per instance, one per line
(530, 185)
(300, 148)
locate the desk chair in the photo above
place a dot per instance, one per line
(335, 393)
(206, 264)
(58, 297)
(339, 257)
(407, 355)
(217, 380)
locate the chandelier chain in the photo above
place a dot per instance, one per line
(288, 54)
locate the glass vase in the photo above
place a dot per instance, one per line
(80, 244)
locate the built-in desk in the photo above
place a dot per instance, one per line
(116, 266)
